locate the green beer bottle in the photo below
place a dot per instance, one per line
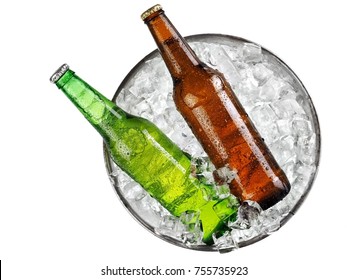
(147, 155)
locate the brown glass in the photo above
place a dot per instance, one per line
(206, 101)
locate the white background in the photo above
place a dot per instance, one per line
(59, 216)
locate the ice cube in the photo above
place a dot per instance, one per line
(271, 221)
(248, 82)
(133, 191)
(204, 53)
(261, 73)
(226, 174)
(283, 149)
(302, 127)
(287, 108)
(168, 222)
(179, 133)
(252, 53)
(203, 169)
(267, 92)
(157, 102)
(225, 65)
(289, 170)
(122, 178)
(247, 216)
(305, 173)
(171, 116)
(167, 226)
(222, 191)
(160, 121)
(227, 241)
(234, 52)
(306, 149)
(263, 115)
(287, 92)
(193, 148)
(192, 233)
(284, 126)
(270, 133)
(143, 108)
(141, 88)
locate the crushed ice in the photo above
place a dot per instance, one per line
(277, 104)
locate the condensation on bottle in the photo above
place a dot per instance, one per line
(216, 117)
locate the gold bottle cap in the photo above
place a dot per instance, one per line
(151, 11)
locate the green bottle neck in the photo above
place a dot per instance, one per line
(96, 108)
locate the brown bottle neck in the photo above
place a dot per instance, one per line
(177, 54)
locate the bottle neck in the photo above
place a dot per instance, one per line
(95, 107)
(177, 54)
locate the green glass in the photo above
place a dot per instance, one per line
(147, 155)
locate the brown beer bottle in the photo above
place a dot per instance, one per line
(218, 120)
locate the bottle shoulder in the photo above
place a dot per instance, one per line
(129, 121)
(199, 84)
(201, 76)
